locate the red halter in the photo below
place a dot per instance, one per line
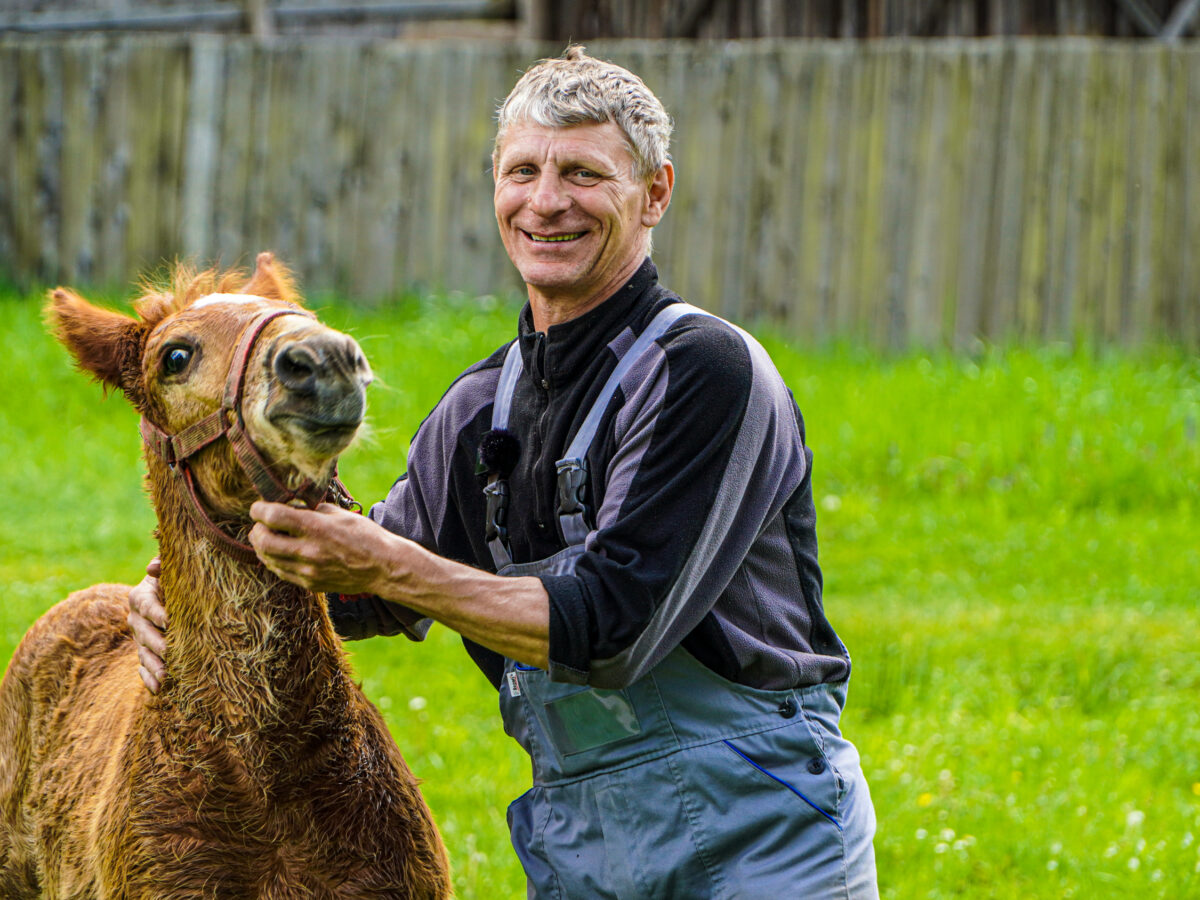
(175, 450)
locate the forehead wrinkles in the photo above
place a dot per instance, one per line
(592, 145)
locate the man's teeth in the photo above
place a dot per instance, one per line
(556, 237)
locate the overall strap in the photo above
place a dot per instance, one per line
(572, 468)
(496, 529)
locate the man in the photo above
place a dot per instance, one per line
(615, 512)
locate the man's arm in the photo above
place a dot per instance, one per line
(330, 549)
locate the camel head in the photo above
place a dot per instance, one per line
(300, 401)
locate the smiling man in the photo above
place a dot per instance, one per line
(615, 512)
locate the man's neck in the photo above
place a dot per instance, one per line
(552, 308)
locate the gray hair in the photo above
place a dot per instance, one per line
(576, 89)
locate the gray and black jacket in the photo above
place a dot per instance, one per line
(702, 520)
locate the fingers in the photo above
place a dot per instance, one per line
(145, 599)
(152, 681)
(280, 517)
(147, 635)
(154, 568)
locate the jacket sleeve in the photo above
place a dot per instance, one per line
(364, 615)
(704, 451)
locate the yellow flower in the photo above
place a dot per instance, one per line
(925, 799)
(1196, 788)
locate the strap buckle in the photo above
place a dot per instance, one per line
(572, 478)
(496, 521)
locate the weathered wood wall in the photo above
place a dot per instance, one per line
(893, 192)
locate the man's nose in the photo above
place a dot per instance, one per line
(549, 195)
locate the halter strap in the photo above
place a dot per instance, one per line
(572, 471)
(228, 422)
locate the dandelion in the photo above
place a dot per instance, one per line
(416, 704)
(1134, 864)
(922, 834)
(831, 503)
(941, 848)
(947, 834)
(925, 799)
(1111, 851)
(1052, 865)
(1187, 839)
(1135, 818)
(1196, 788)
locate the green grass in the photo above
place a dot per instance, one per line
(1010, 547)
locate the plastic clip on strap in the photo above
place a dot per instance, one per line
(496, 528)
(572, 511)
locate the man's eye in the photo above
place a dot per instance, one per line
(524, 172)
(176, 359)
(586, 175)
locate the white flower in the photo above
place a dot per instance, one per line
(1134, 864)
(922, 834)
(1052, 865)
(1135, 818)
(416, 704)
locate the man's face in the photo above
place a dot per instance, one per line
(573, 216)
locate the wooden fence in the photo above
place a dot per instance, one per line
(897, 193)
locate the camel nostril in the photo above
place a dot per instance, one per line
(296, 367)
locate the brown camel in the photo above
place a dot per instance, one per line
(259, 770)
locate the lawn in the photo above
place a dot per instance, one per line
(1010, 545)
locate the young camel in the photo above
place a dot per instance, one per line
(259, 770)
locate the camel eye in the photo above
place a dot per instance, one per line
(175, 359)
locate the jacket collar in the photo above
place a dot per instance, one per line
(563, 351)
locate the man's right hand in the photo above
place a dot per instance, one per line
(148, 620)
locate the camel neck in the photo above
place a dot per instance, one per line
(250, 658)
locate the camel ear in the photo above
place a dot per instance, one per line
(271, 280)
(105, 343)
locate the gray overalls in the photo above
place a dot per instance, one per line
(684, 784)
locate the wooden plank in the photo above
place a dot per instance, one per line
(978, 198)
(76, 69)
(1186, 316)
(234, 167)
(147, 63)
(9, 136)
(1173, 244)
(115, 121)
(1078, 200)
(929, 146)
(1138, 304)
(738, 229)
(201, 146)
(168, 167)
(1111, 234)
(1002, 271)
(1030, 288)
(787, 230)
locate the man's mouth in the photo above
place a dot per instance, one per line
(555, 238)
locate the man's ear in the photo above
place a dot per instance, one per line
(658, 194)
(104, 343)
(271, 280)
